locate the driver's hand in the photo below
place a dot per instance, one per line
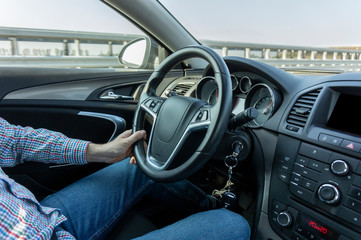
(133, 161)
(116, 150)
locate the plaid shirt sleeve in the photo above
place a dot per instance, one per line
(19, 144)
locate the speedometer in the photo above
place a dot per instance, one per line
(207, 90)
(265, 100)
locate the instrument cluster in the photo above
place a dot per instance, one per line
(248, 90)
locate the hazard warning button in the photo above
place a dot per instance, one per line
(350, 145)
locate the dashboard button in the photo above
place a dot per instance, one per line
(284, 167)
(315, 152)
(352, 162)
(284, 177)
(315, 165)
(302, 160)
(292, 128)
(297, 237)
(349, 215)
(355, 192)
(339, 168)
(308, 184)
(284, 219)
(350, 145)
(352, 204)
(300, 192)
(357, 181)
(296, 178)
(306, 172)
(278, 206)
(330, 139)
(358, 169)
(328, 193)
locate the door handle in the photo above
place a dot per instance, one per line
(110, 95)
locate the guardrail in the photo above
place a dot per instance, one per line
(69, 43)
(61, 61)
(268, 51)
(73, 49)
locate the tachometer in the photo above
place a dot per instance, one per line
(207, 90)
(265, 100)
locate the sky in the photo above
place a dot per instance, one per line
(287, 22)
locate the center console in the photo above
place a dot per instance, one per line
(315, 190)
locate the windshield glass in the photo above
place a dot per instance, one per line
(278, 29)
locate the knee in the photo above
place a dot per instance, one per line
(237, 226)
(121, 174)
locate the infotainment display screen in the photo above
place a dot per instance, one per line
(346, 115)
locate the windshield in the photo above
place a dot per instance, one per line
(325, 30)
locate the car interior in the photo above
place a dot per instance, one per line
(294, 140)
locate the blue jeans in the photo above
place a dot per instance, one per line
(95, 203)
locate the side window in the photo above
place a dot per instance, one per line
(66, 33)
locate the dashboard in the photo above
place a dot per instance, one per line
(306, 150)
(249, 90)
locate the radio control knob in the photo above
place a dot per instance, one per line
(284, 219)
(328, 193)
(339, 167)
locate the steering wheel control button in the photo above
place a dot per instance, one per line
(314, 152)
(336, 141)
(339, 168)
(157, 106)
(200, 116)
(152, 104)
(147, 103)
(329, 194)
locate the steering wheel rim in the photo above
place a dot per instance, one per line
(183, 121)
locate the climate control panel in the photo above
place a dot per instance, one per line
(319, 183)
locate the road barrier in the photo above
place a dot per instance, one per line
(74, 49)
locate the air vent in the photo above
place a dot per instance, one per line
(302, 108)
(181, 89)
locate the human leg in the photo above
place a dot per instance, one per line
(208, 225)
(94, 204)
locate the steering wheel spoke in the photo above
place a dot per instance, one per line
(201, 119)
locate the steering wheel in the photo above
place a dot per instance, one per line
(175, 118)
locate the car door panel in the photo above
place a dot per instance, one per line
(68, 101)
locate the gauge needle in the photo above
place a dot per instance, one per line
(267, 108)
